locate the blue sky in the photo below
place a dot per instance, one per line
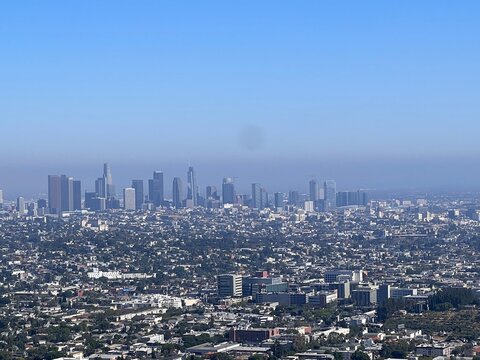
(386, 89)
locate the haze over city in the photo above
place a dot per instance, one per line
(239, 180)
(375, 95)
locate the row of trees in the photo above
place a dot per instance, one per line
(448, 298)
(443, 300)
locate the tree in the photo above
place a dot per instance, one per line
(359, 355)
(337, 356)
(452, 297)
(44, 353)
(256, 357)
(299, 344)
(397, 350)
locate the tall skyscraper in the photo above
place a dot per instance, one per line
(54, 194)
(129, 199)
(228, 191)
(293, 197)
(257, 196)
(66, 193)
(90, 200)
(265, 200)
(177, 193)
(1, 199)
(21, 206)
(77, 195)
(330, 195)
(192, 190)
(138, 186)
(155, 189)
(107, 175)
(101, 187)
(313, 186)
(279, 199)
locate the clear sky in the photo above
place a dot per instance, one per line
(371, 93)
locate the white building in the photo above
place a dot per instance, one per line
(309, 206)
(129, 199)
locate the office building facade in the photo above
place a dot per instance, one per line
(229, 285)
(156, 189)
(192, 190)
(228, 191)
(177, 197)
(139, 197)
(129, 199)
(77, 195)
(330, 195)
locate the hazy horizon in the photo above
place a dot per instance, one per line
(371, 94)
(275, 175)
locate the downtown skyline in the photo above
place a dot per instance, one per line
(29, 182)
(66, 193)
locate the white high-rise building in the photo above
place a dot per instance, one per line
(129, 199)
(309, 206)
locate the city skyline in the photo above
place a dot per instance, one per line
(276, 178)
(65, 193)
(254, 180)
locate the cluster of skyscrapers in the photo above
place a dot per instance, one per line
(65, 195)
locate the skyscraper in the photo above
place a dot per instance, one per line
(89, 200)
(77, 195)
(265, 200)
(138, 186)
(66, 193)
(313, 186)
(1, 199)
(228, 191)
(177, 193)
(257, 202)
(107, 175)
(54, 194)
(101, 187)
(350, 198)
(293, 197)
(155, 189)
(192, 191)
(330, 195)
(129, 199)
(21, 206)
(279, 199)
